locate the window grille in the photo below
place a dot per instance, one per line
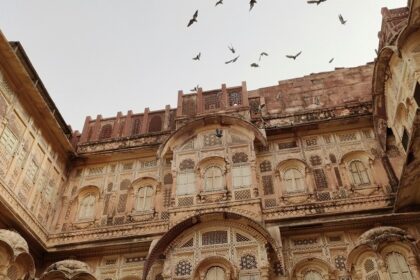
(265, 166)
(212, 101)
(106, 132)
(214, 237)
(338, 176)
(189, 243)
(183, 268)
(122, 201)
(243, 194)
(235, 98)
(109, 187)
(320, 179)
(267, 184)
(248, 262)
(270, 202)
(305, 242)
(315, 160)
(241, 238)
(347, 137)
(239, 158)
(106, 204)
(185, 201)
(340, 262)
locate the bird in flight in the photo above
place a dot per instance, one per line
(262, 54)
(331, 60)
(340, 17)
(254, 65)
(197, 57)
(220, 2)
(195, 88)
(294, 56)
(232, 60)
(251, 4)
(232, 49)
(317, 2)
(194, 19)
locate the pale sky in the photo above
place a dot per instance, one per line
(103, 56)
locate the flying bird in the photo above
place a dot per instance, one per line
(294, 56)
(317, 2)
(232, 60)
(340, 17)
(232, 49)
(197, 57)
(194, 19)
(195, 88)
(254, 65)
(251, 4)
(262, 54)
(220, 2)
(331, 60)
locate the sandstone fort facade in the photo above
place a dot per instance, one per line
(317, 177)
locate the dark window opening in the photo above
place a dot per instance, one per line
(417, 94)
(405, 139)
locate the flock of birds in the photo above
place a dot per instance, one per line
(262, 54)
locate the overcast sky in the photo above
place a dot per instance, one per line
(102, 56)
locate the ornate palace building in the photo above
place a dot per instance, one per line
(314, 178)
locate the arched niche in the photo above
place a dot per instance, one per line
(183, 134)
(308, 264)
(178, 234)
(231, 272)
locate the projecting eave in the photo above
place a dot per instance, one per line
(26, 84)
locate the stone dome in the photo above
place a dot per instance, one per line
(69, 268)
(15, 241)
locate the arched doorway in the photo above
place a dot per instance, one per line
(215, 273)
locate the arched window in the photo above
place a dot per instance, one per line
(359, 173)
(294, 180)
(371, 270)
(312, 275)
(144, 200)
(185, 182)
(106, 132)
(87, 207)
(215, 273)
(213, 179)
(398, 267)
(241, 176)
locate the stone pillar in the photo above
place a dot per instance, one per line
(145, 121)
(167, 118)
(200, 101)
(179, 105)
(245, 101)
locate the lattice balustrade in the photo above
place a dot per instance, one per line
(347, 137)
(118, 220)
(189, 105)
(164, 215)
(305, 241)
(122, 201)
(270, 202)
(287, 145)
(212, 100)
(248, 262)
(323, 196)
(235, 98)
(320, 179)
(185, 201)
(242, 194)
